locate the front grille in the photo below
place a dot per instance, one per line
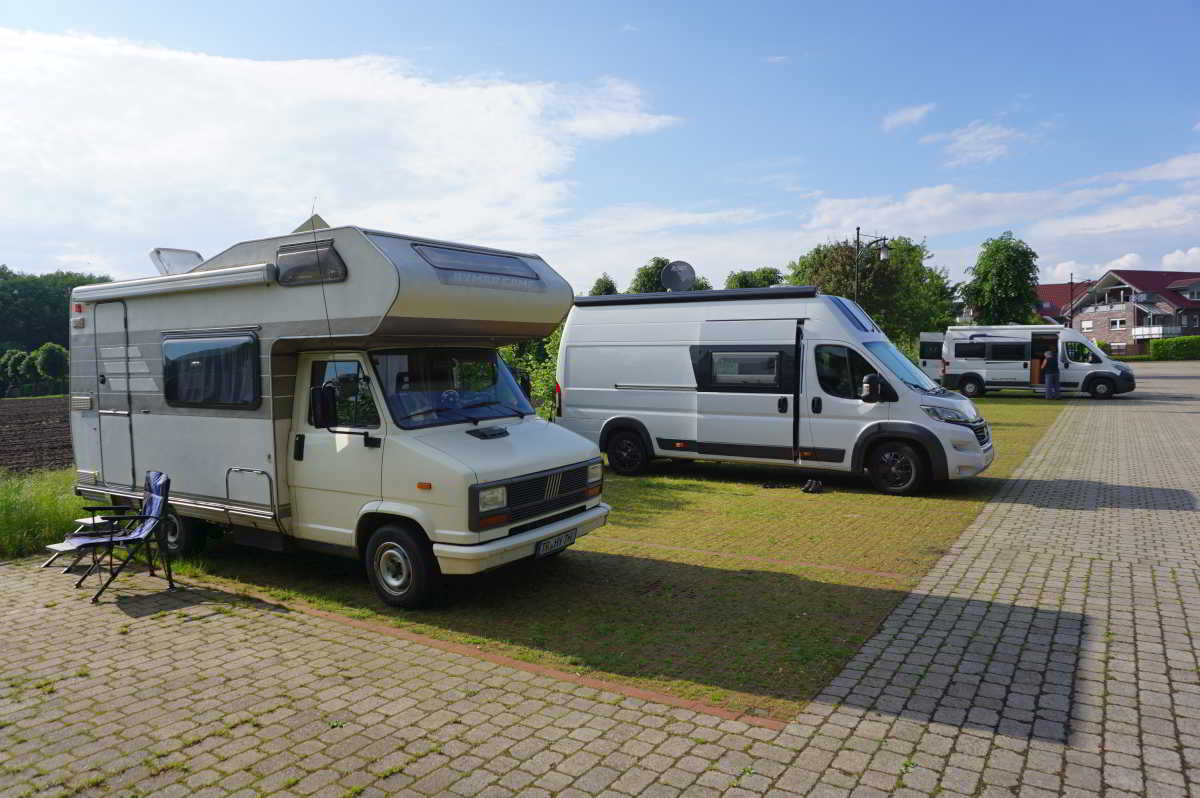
(516, 530)
(983, 433)
(546, 488)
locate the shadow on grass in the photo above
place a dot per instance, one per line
(764, 641)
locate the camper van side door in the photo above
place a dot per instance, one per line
(332, 473)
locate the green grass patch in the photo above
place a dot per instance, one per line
(705, 584)
(36, 509)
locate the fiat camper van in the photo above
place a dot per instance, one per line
(783, 375)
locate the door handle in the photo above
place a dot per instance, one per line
(782, 405)
(1024, 365)
(816, 404)
(298, 448)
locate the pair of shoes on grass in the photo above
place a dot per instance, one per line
(813, 486)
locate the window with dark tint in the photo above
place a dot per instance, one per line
(463, 260)
(221, 371)
(931, 350)
(970, 350)
(1008, 352)
(760, 369)
(841, 370)
(355, 407)
(309, 262)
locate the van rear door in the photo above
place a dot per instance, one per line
(930, 355)
(747, 389)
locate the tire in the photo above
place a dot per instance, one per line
(401, 567)
(1103, 388)
(971, 387)
(184, 536)
(897, 469)
(627, 454)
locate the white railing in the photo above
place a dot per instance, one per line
(1103, 308)
(1156, 332)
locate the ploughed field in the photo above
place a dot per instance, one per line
(34, 434)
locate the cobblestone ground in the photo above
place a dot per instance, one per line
(1050, 652)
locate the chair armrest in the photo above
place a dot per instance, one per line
(97, 508)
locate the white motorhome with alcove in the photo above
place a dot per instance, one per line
(976, 360)
(335, 389)
(781, 376)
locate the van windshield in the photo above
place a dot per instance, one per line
(902, 367)
(430, 387)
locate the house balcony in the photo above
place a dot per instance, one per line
(1160, 331)
(1102, 308)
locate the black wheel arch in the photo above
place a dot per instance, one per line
(904, 431)
(369, 522)
(1090, 380)
(624, 422)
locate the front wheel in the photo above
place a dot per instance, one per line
(627, 454)
(401, 567)
(971, 387)
(897, 469)
(1102, 389)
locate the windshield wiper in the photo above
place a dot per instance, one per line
(461, 414)
(519, 412)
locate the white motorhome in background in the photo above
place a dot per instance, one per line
(929, 355)
(776, 375)
(338, 390)
(1010, 356)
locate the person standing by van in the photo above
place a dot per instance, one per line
(1050, 371)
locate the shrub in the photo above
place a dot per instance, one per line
(1185, 347)
(1105, 347)
(51, 360)
(1135, 358)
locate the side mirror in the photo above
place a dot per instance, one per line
(870, 389)
(322, 406)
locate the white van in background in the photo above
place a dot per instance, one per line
(774, 375)
(929, 355)
(982, 359)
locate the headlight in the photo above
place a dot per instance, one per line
(492, 498)
(947, 414)
(595, 472)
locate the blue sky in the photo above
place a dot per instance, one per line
(600, 135)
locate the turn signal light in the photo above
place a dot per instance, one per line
(594, 490)
(424, 486)
(493, 520)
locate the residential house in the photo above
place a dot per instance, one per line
(1054, 299)
(1128, 308)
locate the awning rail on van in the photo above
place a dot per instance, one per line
(722, 295)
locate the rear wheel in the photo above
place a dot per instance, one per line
(401, 567)
(627, 454)
(897, 468)
(971, 387)
(184, 536)
(1103, 388)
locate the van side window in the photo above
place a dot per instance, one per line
(745, 368)
(1008, 352)
(931, 350)
(1077, 352)
(841, 370)
(970, 350)
(309, 262)
(218, 371)
(355, 406)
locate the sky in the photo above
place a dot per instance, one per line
(600, 135)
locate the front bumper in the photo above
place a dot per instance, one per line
(1125, 383)
(961, 465)
(455, 559)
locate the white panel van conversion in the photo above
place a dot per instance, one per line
(765, 375)
(336, 389)
(1010, 356)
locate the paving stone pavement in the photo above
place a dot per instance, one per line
(1049, 652)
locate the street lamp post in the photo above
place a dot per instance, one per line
(860, 248)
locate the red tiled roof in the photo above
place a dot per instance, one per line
(1160, 283)
(1184, 283)
(1057, 294)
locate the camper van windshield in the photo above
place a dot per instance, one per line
(429, 387)
(902, 367)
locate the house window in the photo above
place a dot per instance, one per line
(1116, 324)
(217, 371)
(1086, 326)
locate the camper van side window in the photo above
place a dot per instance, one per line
(465, 260)
(840, 370)
(1078, 352)
(1011, 352)
(220, 371)
(760, 369)
(931, 350)
(308, 263)
(355, 406)
(970, 350)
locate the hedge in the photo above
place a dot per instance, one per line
(1185, 347)
(1134, 358)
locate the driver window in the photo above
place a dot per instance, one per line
(1078, 352)
(840, 370)
(355, 406)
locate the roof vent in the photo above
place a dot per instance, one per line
(175, 261)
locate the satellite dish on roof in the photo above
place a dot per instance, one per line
(677, 276)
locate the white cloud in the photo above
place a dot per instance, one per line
(112, 147)
(978, 142)
(775, 59)
(1140, 213)
(1074, 270)
(1183, 260)
(906, 116)
(1181, 167)
(628, 28)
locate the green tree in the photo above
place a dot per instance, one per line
(16, 368)
(1004, 279)
(604, 285)
(5, 376)
(51, 360)
(36, 306)
(646, 279)
(754, 278)
(539, 359)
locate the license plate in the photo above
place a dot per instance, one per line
(556, 543)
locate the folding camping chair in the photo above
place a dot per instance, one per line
(130, 532)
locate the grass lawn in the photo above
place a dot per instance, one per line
(705, 584)
(36, 509)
